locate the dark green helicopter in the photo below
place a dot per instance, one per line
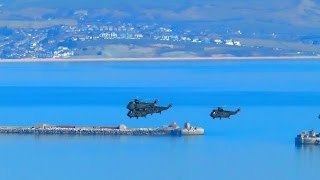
(139, 108)
(221, 113)
(137, 114)
(157, 109)
(136, 104)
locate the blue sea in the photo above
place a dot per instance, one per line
(277, 98)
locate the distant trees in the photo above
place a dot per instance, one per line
(5, 54)
(68, 43)
(53, 32)
(5, 31)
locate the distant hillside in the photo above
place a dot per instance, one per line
(263, 14)
(161, 28)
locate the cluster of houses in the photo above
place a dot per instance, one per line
(61, 41)
(63, 52)
(228, 42)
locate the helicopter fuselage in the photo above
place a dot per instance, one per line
(220, 113)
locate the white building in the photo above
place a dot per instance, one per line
(229, 42)
(218, 41)
(237, 43)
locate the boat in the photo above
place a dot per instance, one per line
(308, 138)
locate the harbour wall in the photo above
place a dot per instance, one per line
(44, 129)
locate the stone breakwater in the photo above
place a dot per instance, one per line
(44, 129)
(81, 131)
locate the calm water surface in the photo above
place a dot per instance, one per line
(278, 99)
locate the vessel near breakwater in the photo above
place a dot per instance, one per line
(47, 129)
(305, 138)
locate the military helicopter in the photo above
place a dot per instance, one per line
(221, 113)
(157, 109)
(138, 108)
(137, 114)
(137, 104)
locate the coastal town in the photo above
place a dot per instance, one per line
(80, 33)
(66, 41)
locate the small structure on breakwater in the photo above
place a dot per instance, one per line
(46, 129)
(308, 138)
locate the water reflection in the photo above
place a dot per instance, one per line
(307, 149)
(191, 139)
(307, 161)
(102, 138)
